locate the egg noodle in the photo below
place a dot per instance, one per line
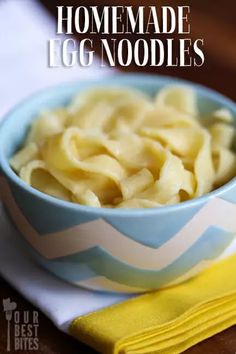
(118, 148)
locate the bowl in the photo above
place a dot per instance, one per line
(116, 250)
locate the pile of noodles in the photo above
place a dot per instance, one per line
(118, 148)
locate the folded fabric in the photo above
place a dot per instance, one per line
(168, 321)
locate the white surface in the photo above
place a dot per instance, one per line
(24, 31)
(25, 28)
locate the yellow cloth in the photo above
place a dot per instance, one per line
(167, 321)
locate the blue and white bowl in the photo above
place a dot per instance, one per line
(115, 249)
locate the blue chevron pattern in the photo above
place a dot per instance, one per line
(97, 262)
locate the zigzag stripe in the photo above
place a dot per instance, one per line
(95, 262)
(99, 233)
(102, 283)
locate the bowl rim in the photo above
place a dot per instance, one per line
(101, 211)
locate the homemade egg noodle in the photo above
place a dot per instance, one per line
(118, 148)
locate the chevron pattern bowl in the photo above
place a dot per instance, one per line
(113, 249)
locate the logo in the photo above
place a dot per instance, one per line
(22, 327)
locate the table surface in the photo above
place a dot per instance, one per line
(219, 72)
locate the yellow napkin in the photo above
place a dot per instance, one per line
(167, 321)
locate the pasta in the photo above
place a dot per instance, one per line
(118, 148)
